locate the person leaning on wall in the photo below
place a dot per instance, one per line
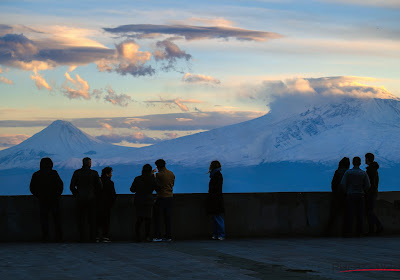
(143, 187)
(47, 186)
(85, 186)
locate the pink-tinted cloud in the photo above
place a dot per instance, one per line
(181, 103)
(170, 52)
(171, 135)
(136, 138)
(198, 78)
(106, 126)
(8, 140)
(40, 82)
(5, 80)
(75, 88)
(127, 59)
(122, 100)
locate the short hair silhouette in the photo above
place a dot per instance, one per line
(106, 170)
(370, 156)
(356, 161)
(344, 163)
(146, 170)
(160, 163)
(46, 163)
(214, 164)
(86, 161)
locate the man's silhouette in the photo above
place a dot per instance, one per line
(47, 186)
(85, 186)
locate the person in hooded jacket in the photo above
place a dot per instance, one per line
(215, 201)
(338, 202)
(85, 187)
(105, 201)
(47, 186)
(143, 187)
(372, 171)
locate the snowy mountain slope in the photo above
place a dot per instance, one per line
(64, 143)
(322, 132)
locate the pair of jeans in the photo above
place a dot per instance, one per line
(372, 218)
(54, 209)
(103, 220)
(163, 208)
(354, 207)
(218, 225)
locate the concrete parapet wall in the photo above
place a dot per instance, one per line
(247, 215)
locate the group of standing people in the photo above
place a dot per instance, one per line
(96, 195)
(354, 193)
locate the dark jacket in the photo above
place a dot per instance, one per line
(46, 185)
(373, 175)
(107, 195)
(337, 178)
(85, 184)
(215, 201)
(143, 187)
(355, 181)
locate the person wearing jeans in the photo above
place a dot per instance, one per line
(215, 201)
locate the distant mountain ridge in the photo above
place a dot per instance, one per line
(322, 132)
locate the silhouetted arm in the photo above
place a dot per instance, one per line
(367, 183)
(72, 186)
(343, 183)
(33, 187)
(133, 186)
(59, 184)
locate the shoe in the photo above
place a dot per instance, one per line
(221, 238)
(214, 237)
(157, 239)
(98, 239)
(106, 240)
(167, 239)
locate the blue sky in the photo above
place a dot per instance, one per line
(187, 66)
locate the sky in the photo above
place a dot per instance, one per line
(135, 73)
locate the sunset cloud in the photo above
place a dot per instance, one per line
(169, 51)
(40, 82)
(106, 126)
(5, 80)
(198, 78)
(127, 59)
(117, 99)
(7, 140)
(181, 103)
(135, 138)
(190, 32)
(204, 21)
(75, 88)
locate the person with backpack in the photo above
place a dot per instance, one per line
(372, 194)
(85, 187)
(47, 186)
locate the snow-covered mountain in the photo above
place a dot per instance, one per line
(322, 132)
(64, 143)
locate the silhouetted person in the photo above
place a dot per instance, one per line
(165, 180)
(338, 201)
(215, 201)
(85, 186)
(356, 183)
(373, 175)
(47, 186)
(143, 187)
(105, 200)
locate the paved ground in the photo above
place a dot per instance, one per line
(297, 258)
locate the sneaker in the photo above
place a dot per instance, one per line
(106, 240)
(157, 239)
(221, 238)
(167, 239)
(98, 239)
(214, 237)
